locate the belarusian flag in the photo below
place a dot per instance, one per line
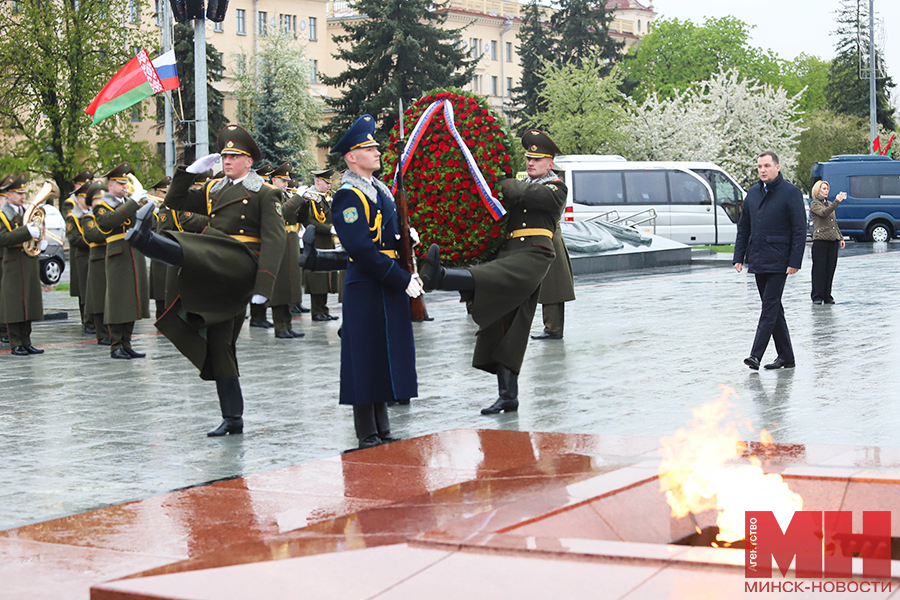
(135, 81)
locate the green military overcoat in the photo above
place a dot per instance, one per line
(507, 287)
(319, 216)
(20, 292)
(289, 284)
(79, 254)
(559, 284)
(95, 296)
(127, 288)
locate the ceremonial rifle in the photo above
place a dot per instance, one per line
(407, 256)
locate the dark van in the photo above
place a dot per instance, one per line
(871, 211)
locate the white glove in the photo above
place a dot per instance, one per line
(333, 230)
(44, 245)
(33, 230)
(257, 298)
(139, 196)
(414, 236)
(414, 289)
(204, 163)
(138, 192)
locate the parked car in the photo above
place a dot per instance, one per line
(53, 259)
(871, 211)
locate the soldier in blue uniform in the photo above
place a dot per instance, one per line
(378, 355)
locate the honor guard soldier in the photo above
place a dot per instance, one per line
(4, 184)
(557, 288)
(504, 291)
(289, 284)
(258, 311)
(378, 354)
(163, 221)
(20, 292)
(127, 293)
(95, 286)
(182, 220)
(234, 261)
(79, 251)
(319, 285)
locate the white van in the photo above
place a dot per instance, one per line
(679, 194)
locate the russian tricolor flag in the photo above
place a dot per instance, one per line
(165, 67)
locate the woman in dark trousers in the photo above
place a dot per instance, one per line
(827, 238)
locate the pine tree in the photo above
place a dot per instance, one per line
(535, 51)
(845, 92)
(184, 54)
(582, 31)
(270, 130)
(396, 51)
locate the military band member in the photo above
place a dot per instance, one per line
(127, 293)
(504, 291)
(4, 184)
(20, 293)
(319, 285)
(289, 284)
(95, 284)
(258, 311)
(74, 208)
(378, 354)
(234, 261)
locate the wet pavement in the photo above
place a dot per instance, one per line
(79, 430)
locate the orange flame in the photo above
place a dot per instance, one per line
(695, 474)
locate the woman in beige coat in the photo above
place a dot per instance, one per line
(827, 239)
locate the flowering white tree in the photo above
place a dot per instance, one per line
(727, 120)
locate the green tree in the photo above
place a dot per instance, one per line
(397, 51)
(826, 134)
(184, 54)
(55, 59)
(280, 65)
(677, 53)
(270, 130)
(581, 30)
(809, 75)
(535, 51)
(583, 109)
(845, 92)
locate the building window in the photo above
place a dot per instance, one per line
(263, 22)
(136, 113)
(312, 29)
(493, 49)
(217, 26)
(508, 51)
(494, 83)
(639, 26)
(241, 16)
(161, 149)
(240, 64)
(289, 24)
(157, 16)
(475, 46)
(134, 11)
(314, 71)
(509, 86)
(476, 83)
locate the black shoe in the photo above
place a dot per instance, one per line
(120, 353)
(321, 318)
(261, 324)
(752, 362)
(104, 342)
(134, 354)
(501, 404)
(831, 301)
(286, 335)
(295, 310)
(817, 301)
(780, 363)
(228, 425)
(333, 318)
(401, 402)
(32, 350)
(19, 351)
(546, 336)
(387, 438)
(302, 309)
(87, 329)
(4, 339)
(369, 442)
(297, 334)
(433, 273)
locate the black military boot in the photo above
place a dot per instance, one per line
(508, 386)
(438, 277)
(313, 259)
(232, 403)
(152, 245)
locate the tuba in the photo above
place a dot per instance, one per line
(36, 215)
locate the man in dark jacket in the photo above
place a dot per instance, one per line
(771, 237)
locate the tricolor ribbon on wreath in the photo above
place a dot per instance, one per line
(493, 204)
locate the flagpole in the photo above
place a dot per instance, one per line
(169, 127)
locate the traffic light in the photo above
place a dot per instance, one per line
(188, 10)
(215, 10)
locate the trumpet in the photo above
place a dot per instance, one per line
(37, 215)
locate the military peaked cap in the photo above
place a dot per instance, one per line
(265, 170)
(18, 184)
(360, 135)
(538, 144)
(83, 188)
(203, 177)
(120, 173)
(82, 178)
(283, 171)
(162, 184)
(325, 174)
(4, 185)
(95, 191)
(234, 139)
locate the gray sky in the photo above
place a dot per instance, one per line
(790, 27)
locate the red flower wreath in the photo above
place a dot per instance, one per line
(443, 200)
